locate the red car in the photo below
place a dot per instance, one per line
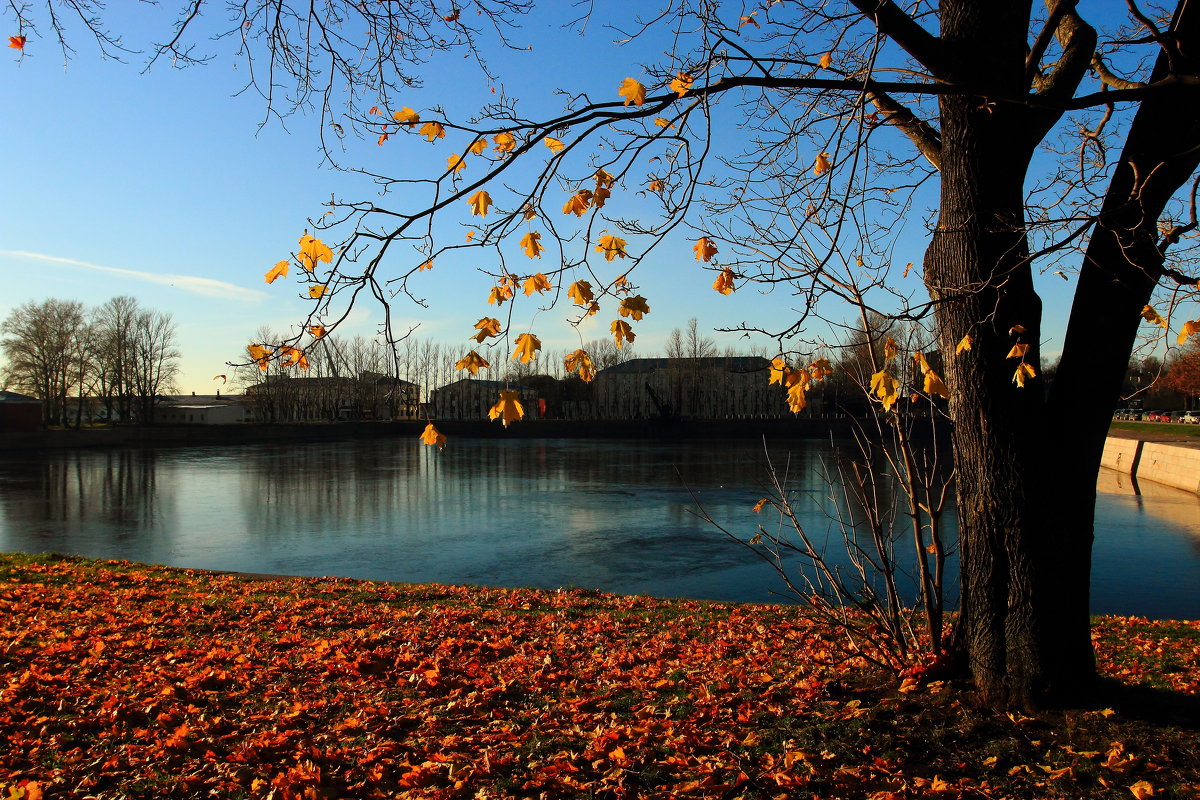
(1159, 416)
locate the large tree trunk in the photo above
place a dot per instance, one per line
(977, 269)
(1121, 266)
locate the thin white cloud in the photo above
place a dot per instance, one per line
(188, 283)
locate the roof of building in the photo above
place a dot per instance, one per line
(12, 397)
(641, 366)
(481, 383)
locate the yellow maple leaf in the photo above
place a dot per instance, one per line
(428, 265)
(682, 83)
(890, 348)
(662, 122)
(1189, 328)
(705, 249)
(499, 294)
(612, 247)
(433, 130)
(531, 242)
(935, 385)
(478, 146)
(260, 354)
(280, 270)
(885, 388)
(579, 203)
(656, 185)
(504, 143)
(526, 347)
(488, 326)
(1142, 789)
(580, 360)
(1150, 315)
(291, 356)
(507, 409)
(580, 292)
(313, 251)
(821, 165)
(963, 344)
(431, 436)
(472, 362)
(758, 507)
(724, 281)
(826, 61)
(537, 283)
(1023, 371)
(621, 284)
(317, 331)
(604, 179)
(554, 144)
(795, 396)
(470, 235)
(316, 291)
(632, 91)
(820, 369)
(599, 196)
(455, 163)
(779, 370)
(1018, 350)
(621, 332)
(407, 116)
(634, 307)
(479, 203)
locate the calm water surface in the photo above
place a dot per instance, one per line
(608, 515)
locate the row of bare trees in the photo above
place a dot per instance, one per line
(118, 352)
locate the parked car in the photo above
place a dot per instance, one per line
(1159, 416)
(1152, 416)
(1186, 417)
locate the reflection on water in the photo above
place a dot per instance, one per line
(599, 514)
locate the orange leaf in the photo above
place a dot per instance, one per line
(431, 436)
(632, 91)
(634, 307)
(317, 331)
(612, 247)
(426, 266)
(578, 203)
(488, 326)
(16, 42)
(705, 249)
(433, 130)
(526, 348)
(504, 143)
(472, 362)
(280, 270)
(455, 163)
(508, 409)
(583, 362)
(749, 21)
(537, 283)
(533, 247)
(316, 291)
(724, 281)
(826, 61)
(682, 83)
(621, 332)
(407, 116)
(479, 203)
(222, 377)
(821, 165)
(655, 185)
(580, 292)
(478, 147)
(313, 251)
(554, 144)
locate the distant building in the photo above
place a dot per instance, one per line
(720, 387)
(286, 398)
(19, 412)
(200, 412)
(471, 398)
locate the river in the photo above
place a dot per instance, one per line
(610, 515)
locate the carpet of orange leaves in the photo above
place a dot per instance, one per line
(125, 681)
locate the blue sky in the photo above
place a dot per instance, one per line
(164, 186)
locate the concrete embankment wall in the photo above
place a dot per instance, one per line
(1161, 462)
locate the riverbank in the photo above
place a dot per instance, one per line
(254, 433)
(125, 680)
(1163, 455)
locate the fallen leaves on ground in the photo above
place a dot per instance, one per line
(119, 680)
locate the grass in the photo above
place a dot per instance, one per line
(119, 680)
(1158, 429)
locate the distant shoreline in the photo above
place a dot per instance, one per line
(255, 433)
